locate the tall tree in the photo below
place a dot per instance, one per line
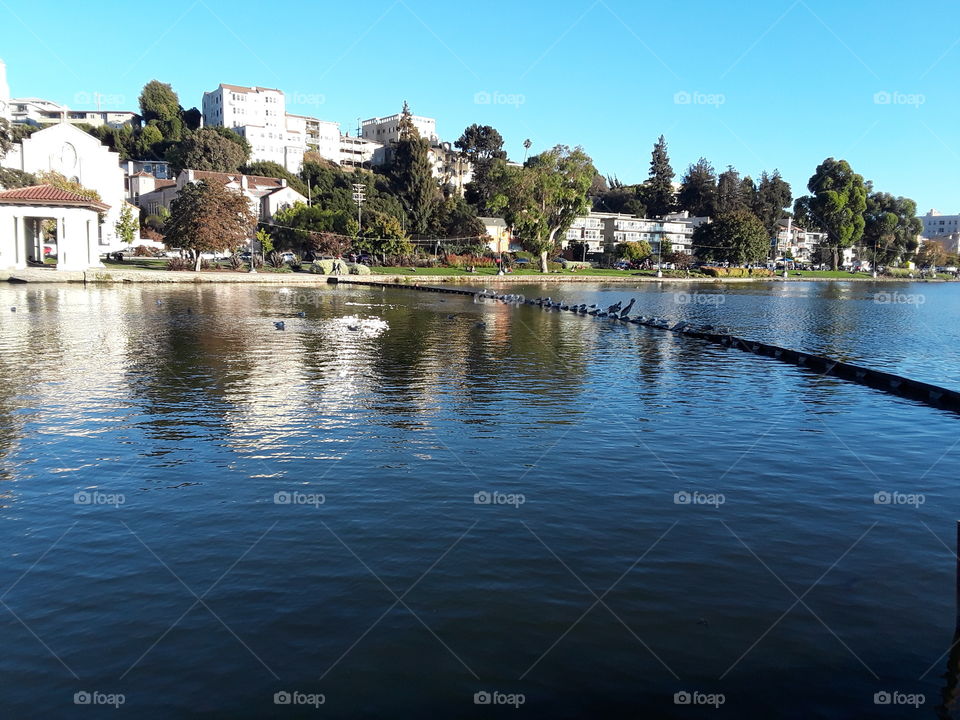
(698, 189)
(773, 195)
(839, 199)
(658, 195)
(542, 199)
(737, 238)
(730, 195)
(208, 149)
(159, 103)
(482, 145)
(410, 172)
(891, 227)
(208, 217)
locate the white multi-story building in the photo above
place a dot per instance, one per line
(795, 242)
(386, 130)
(322, 136)
(587, 230)
(936, 225)
(40, 112)
(360, 152)
(259, 115)
(602, 232)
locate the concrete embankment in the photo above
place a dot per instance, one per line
(124, 275)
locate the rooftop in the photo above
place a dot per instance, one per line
(48, 195)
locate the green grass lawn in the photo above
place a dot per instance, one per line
(487, 272)
(138, 263)
(844, 275)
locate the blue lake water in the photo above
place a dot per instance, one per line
(394, 507)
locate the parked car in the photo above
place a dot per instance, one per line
(49, 250)
(288, 257)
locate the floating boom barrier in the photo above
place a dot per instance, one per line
(934, 395)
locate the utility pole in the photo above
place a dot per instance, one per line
(359, 195)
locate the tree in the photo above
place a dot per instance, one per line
(932, 255)
(207, 149)
(265, 241)
(482, 145)
(208, 217)
(383, 235)
(58, 180)
(192, 119)
(160, 104)
(658, 193)
(10, 179)
(772, 196)
(306, 227)
(6, 137)
(126, 226)
(698, 190)
(148, 142)
(634, 251)
(455, 218)
(803, 215)
(542, 199)
(839, 199)
(891, 227)
(620, 198)
(233, 136)
(737, 238)
(413, 180)
(730, 195)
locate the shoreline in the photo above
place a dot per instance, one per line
(160, 277)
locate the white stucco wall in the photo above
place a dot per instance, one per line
(77, 247)
(80, 157)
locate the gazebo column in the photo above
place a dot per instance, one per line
(62, 258)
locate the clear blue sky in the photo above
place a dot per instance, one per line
(776, 84)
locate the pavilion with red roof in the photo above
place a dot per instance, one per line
(76, 220)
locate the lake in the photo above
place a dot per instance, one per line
(409, 505)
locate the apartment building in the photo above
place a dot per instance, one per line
(360, 152)
(936, 226)
(386, 130)
(795, 242)
(259, 115)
